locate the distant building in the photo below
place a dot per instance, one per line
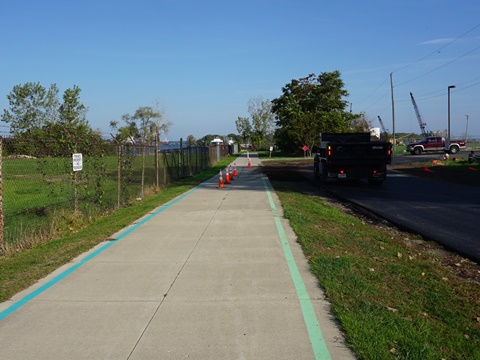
(216, 141)
(375, 132)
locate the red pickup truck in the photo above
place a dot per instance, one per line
(435, 143)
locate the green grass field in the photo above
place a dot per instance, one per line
(39, 192)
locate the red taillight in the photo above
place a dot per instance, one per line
(329, 152)
(342, 171)
(374, 172)
(389, 152)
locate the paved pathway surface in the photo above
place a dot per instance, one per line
(214, 274)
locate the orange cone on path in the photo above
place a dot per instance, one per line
(227, 176)
(235, 169)
(220, 180)
(230, 172)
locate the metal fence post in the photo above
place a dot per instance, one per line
(157, 184)
(181, 160)
(119, 172)
(142, 191)
(2, 239)
(165, 165)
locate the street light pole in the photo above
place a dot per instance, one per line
(466, 130)
(447, 144)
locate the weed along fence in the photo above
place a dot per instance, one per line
(45, 186)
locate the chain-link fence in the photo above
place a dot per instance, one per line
(40, 185)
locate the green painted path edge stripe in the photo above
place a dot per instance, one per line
(314, 332)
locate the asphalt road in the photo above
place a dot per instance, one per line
(446, 213)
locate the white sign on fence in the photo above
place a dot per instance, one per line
(77, 162)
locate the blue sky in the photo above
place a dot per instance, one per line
(203, 60)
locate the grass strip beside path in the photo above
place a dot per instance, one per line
(394, 297)
(22, 269)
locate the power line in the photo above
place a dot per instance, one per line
(439, 67)
(374, 91)
(459, 87)
(423, 58)
(439, 49)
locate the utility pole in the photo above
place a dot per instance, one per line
(466, 131)
(393, 114)
(447, 143)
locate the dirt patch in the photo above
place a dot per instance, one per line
(295, 174)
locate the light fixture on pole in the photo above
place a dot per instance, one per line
(447, 144)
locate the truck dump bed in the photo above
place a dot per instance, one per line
(352, 156)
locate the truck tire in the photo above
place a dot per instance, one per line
(454, 149)
(417, 151)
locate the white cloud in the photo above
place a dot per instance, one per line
(437, 41)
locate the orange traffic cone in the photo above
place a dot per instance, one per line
(235, 169)
(220, 180)
(227, 176)
(231, 172)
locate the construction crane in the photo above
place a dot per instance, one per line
(385, 132)
(419, 118)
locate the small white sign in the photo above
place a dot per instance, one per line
(271, 148)
(77, 162)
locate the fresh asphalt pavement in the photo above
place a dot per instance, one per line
(214, 274)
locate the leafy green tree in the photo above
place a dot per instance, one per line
(262, 120)
(146, 123)
(191, 141)
(146, 118)
(360, 124)
(36, 114)
(31, 106)
(309, 106)
(259, 127)
(72, 111)
(244, 128)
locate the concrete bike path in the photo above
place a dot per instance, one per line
(214, 274)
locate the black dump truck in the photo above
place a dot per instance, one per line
(350, 156)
